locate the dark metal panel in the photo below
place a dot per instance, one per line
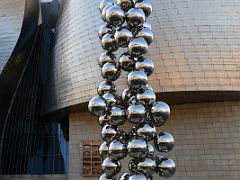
(13, 69)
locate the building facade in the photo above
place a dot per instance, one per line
(197, 71)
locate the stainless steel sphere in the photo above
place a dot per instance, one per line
(110, 98)
(105, 177)
(115, 16)
(105, 3)
(147, 24)
(109, 43)
(160, 112)
(137, 148)
(103, 150)
(145, 64)
(104, 11)
(125, 4)
(126, 62)
(122, 136)
(124, 176)
(104, 29)
(132, 165)
(97, 106)
(126, 95)
(137, 176)
(123, 37)
(146, 131)
(103, 120)
(146, 34)
(109, 133)
(137, 47)
(111, 167)
(117, 150)
(146, 97)
(110, 71)
(151, 150)
(117, 116)
(159, 158)
(149, 87)
(166, 167)
(136, 113)
(136, 17)
(147, 166)
(145, 5)
(105, 58)
(106, 86)
(137, 79)
(164, 142)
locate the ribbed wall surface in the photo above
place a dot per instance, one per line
(11, 17)
(196, 48)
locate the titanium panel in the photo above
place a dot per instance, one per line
(196, 49)
(11, 18)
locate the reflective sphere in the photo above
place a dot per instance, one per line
(105, 177)
(146, 165)
(124, 176)
(104, 29)
(125, 4)
(108, 133)
(111, 167)
(137, 148)
(117, 116)
(146, 97)
(123, 36)
(126, 95)
(110, 72)
(105, 3)
(115, 16)
(146, 131)
(132, 165)
(103, 120)
(136, 17)
(147, 34)
(103, 150)
(106, 86)
(137, 79)
(97, 106)
(110, 98)
(117, 150)
(151, 150)
(145, 64)
(149, 87)
(132, 133)
(105, 58)
(122, 136)
(159, 158)
(136, 113)
(145, 5)
(126, 62)
(137, 177)
(109, 43)
(104, 11)
(147, 24)
(166, 167)
(160, 112)
(164, 142)
(137, 47)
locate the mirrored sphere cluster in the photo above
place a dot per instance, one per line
(126, 26)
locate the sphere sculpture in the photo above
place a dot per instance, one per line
(106, 58)
(103, 150)
(127, 27)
